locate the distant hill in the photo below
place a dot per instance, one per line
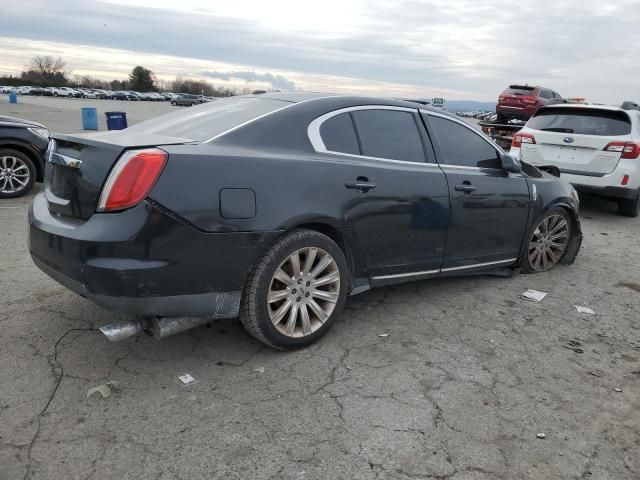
(468, 106)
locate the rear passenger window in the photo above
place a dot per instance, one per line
(389, 134)
(460, 146)
(339, 135)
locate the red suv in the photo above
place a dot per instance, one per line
(522, 101)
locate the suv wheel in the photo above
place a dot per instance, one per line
(17, 173)
(629, 207)
(296, 291)
(548, 241)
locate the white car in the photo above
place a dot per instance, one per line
(65, 92)
(595, 147)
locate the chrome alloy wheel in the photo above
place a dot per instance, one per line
(303, 292)
(548, 243)
(14, 174)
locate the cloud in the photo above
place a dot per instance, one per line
(278, 81)
(472, 49)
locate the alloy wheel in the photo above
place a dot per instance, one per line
(303, 292)
(548, 243)
(14, 174)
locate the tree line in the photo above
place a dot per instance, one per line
(47, 71)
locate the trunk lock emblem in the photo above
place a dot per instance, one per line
(568, 140)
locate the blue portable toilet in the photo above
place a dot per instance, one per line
(89, 118)
(116, 120)
(13, 97)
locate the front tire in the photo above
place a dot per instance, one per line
(295, 292)
(17, 173)
(629, 207)
(547, 241)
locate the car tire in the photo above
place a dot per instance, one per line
(55, 94)
(547, 241)
(295, 314)
(501, 118)
(16, 161)
(629, 207)
(174, 103)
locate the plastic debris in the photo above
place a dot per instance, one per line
(186, 379)
(383, 335)
(105, 389)
(258, 370)
(541, 435)
(617, 390)
(533, 295)
(586, 310)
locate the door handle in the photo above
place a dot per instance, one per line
(465, 187)
(362, 184)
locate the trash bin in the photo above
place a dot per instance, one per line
(116, 120)
(89, 118)
(13, 98)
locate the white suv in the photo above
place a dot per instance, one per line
(596, 148)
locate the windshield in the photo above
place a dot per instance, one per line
(208, 120)
(581, 121)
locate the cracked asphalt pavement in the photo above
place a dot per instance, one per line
(466, 379)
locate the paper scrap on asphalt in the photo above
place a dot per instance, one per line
(258, 370)
(587, 310)
(383, 335)
(187, 379)
(105, 389)
(534, 295)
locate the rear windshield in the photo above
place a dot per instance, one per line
(519, 90)
(581, 121)
(210, 119)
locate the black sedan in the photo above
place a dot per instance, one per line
(22, 147)
(276, 207)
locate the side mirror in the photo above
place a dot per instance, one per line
(510, 164)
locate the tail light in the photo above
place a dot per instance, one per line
(630, 150)
(529, 99)
(131, 179)
(520, 138)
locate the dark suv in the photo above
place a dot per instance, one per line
(520, 102)
(187, 100)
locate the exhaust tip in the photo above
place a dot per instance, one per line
(121, 330)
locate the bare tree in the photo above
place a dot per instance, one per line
(47, 67)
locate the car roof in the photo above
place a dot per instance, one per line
(590, 106)
(297, 97)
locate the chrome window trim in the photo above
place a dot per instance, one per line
(379, 159)
(313, 132)
(289, 105)
(450, 269)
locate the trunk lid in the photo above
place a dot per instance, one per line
(574, 139)
(78, 165)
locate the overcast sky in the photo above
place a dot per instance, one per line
(459, 49)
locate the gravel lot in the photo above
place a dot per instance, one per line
(467, 377)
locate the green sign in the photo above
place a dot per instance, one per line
(438, 102)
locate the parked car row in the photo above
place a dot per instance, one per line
(81, 92)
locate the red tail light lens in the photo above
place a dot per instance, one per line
(529, 99)
(520, 138)
(131, 179)
(629, 150)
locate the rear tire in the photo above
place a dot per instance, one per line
(288, 303)
(22, 169)
(629, 207)
(501, 118)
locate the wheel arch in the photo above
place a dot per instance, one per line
(29, 152)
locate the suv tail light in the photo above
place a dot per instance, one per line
(133, 176)
(630, 150)
(520, 138)
(529, 99)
